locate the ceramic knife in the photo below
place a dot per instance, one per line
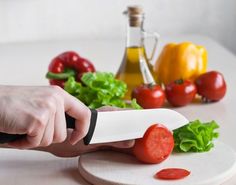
(111, 126)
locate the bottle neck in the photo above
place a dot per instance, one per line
(134, 36)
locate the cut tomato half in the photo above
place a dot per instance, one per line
(155, 146)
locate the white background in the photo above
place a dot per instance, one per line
(26, 63)
(30, 20)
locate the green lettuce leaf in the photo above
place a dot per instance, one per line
(195, 136)
(99, 89)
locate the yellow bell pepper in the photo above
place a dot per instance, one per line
(180, 61)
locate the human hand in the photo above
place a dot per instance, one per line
(65, 149)
(39, 112)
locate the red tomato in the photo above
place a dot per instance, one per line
(155, 146)
(172, 173)
(149, 96)
(180, 92)
(211, 86)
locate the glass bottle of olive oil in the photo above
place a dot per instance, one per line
(135, 68)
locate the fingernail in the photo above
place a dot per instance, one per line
(73, 141)
(129, 143)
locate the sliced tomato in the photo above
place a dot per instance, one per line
(172, 173)
(155, 146)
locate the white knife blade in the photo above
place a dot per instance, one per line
(121, 125)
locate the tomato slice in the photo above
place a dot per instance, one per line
(172, 173)
(155, 146)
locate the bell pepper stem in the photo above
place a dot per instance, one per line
(60, 76)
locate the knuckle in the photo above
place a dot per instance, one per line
(37, 122)
(53, 98)
(50, 101)
(45, 105)
(40, 120)
(56, 88)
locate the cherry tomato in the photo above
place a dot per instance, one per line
(211, 86)
(155, 146)
(180, 92)
(172, 173)
(149, 96)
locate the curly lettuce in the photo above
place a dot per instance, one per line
(195, 136)
(99, 89)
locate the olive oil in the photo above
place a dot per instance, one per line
(135, 68)
(130, 69)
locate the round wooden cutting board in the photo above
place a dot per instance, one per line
(113, 168)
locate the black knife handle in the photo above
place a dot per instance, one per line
(93, 121)
(70, 123)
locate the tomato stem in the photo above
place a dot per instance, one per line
(151, 85)
(179, 81)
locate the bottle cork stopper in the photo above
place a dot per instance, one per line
(134, 10)
(135, 14)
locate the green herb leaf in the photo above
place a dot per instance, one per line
(195, 136)
(99, 89)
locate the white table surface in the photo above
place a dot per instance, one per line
(26, 64)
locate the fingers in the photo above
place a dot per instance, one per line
(81, 125)
(46, 122)
(34, 133)
(60, 132)
(81, 113)
(48, 133)
(120, 144)
(41, 117)
(108, 108)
